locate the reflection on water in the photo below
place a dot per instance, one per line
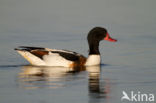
(97, 87)
(56, 77)
(46, 77)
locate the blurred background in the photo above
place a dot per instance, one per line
(128, 64)
(73, 16)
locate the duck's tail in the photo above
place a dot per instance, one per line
(26, 53)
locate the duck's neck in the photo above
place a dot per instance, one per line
(94, 55)
(94, 48)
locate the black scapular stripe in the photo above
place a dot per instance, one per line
(31, 48)
(68, 56)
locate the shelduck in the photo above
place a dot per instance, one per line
(40, 56)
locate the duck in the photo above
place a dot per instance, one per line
(40, 56)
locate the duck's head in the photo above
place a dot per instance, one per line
(98, 33)
(95, 36)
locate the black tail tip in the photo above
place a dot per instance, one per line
(15, 49)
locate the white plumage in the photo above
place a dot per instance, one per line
(54, 59)
(93, 60)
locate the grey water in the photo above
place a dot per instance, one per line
(127, 65)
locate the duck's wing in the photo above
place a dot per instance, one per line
(46, 54)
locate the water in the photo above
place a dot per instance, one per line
(128, 65)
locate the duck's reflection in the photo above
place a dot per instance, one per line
(46, 77)
(98, 87)
(56, 77)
